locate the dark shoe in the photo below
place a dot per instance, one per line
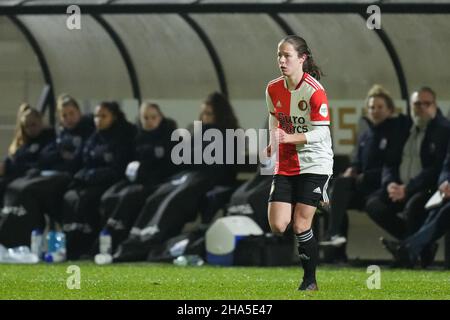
(308, 286)
(400, 254)
(131, 251)
(427, 255)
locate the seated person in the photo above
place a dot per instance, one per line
(422, 243)
(363, 177)
(105, 157)
(412, 170)
(40, 192)
(177, 201)
(151, 166)
(30, 138)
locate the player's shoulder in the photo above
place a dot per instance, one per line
(275, 83)
(313, 84)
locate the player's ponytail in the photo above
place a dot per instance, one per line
(311, 67)
(302, 48)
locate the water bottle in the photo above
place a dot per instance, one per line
(37, 242)
(105, 242)
(56, 246)
(51, 241)
(189, 260)
(61, 242)
(103, 258)
(56, 256)
(180, 261)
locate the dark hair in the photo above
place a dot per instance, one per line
(302, 48)
(429, 90)
(115, 110)
(377, 91)
(223, 111)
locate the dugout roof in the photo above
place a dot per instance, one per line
(183, 49)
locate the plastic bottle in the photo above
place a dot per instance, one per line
(189, 260)
(37, 242)
(56, 246)
(56, 256)
(103, 258)
(105, 242)
(61, 242)
(51, 241)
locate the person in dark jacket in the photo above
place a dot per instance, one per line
(411, 172)
(177, 201)
(422, 244)
(363, 177)
(30, 138)
(105, 157)
(65, 153)
(151, 166)
(43, 187)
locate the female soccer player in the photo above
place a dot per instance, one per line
(299, 123)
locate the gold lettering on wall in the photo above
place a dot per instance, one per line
(347, 126)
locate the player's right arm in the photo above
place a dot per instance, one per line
(273, 122)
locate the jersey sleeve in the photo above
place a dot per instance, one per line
(320, 113)
(269, 103)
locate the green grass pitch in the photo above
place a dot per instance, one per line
(169, 282)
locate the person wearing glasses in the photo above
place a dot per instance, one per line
(408, 251)
(363, 177)
(411, 171)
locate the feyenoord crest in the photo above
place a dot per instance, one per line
(302, 105)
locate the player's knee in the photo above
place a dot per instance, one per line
(301, 226)
(279, 227)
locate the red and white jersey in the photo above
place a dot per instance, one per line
(298, 111)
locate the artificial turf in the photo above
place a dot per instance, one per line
(170, 282)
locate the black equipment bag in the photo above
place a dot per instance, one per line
(265, 250)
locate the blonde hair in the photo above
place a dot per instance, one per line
(20, 138)
(378, 91)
